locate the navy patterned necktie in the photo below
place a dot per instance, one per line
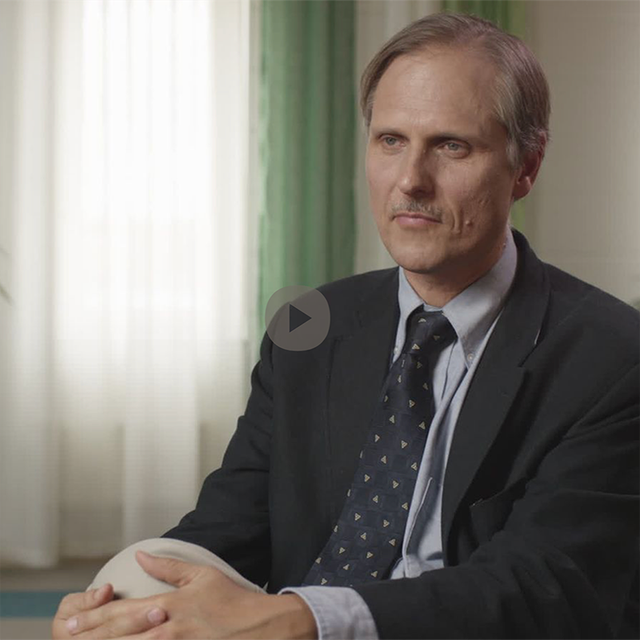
(367, 538)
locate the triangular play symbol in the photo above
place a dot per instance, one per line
(297, 318)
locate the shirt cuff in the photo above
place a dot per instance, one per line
(340, 612)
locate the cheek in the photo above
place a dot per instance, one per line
(472, 202)
(380, 180)
(462, 201)
(477, 207)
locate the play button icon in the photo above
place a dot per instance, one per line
(297, 318)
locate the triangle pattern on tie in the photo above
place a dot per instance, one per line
(368, 535)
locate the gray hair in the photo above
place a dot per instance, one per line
(522, 103)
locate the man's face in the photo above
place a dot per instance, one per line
(439, 178)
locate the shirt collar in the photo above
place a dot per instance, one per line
(472, 311)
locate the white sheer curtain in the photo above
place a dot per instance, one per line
(125, 345)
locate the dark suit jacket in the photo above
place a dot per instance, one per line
(540, 507)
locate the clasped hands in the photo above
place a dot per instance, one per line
(206, 604)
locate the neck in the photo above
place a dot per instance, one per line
(434, 292)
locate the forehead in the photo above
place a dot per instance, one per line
(440, 88)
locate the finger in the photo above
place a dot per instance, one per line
(76, 602)
(116, 622)
(168, 570)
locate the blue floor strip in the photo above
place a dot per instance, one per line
(30, 604)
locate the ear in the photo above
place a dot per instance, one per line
(527, 173)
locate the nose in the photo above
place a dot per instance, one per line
(415, 177)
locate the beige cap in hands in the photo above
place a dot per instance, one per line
(129, 579)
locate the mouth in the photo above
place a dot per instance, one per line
(411, 219)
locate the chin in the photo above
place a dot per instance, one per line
(414, 251)
(416, 262)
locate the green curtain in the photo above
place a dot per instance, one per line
(307, 144)
(511, 16)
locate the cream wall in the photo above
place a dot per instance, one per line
(584, 214)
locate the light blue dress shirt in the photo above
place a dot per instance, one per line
(340, 612)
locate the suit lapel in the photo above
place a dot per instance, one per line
(496, 382)
(360, 362)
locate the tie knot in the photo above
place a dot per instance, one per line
(428, 331)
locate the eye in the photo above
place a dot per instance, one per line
(390, 141)
(456, 149)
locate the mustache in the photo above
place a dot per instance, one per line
(415, 206)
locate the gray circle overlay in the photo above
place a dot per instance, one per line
(297, 318)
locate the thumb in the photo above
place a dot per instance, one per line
(168, 570)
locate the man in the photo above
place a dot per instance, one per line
(518, 512)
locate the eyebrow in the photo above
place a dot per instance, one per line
(438, 137)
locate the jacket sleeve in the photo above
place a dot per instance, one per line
(231, 517)
(563, 564)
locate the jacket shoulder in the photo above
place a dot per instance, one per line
(591, 309)
(574, 297)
